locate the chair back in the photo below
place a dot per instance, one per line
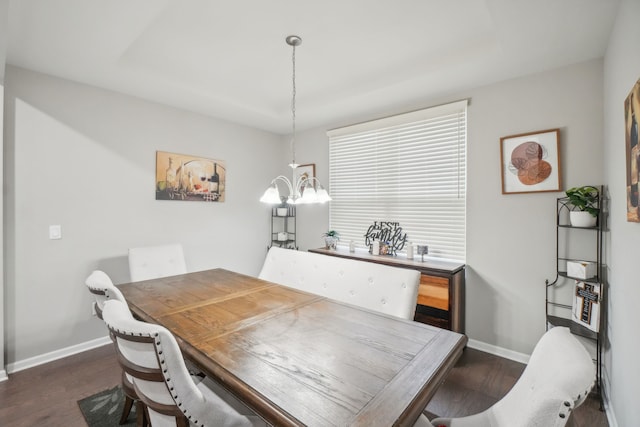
(557, 379)
(559, 376)
(103, 289)
(153, 262)
(150, 354)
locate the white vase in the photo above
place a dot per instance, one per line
(582, 219)
(330, 242)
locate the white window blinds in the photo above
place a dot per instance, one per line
(410, 169)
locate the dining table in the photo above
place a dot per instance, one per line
(296, 358)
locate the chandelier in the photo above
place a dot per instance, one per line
(303, 189)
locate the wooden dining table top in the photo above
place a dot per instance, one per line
(297, 358)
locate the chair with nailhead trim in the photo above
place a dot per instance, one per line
(557, 379)
(103, 290)
(153, 262)
(150, 354)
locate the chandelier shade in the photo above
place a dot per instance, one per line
(309, 194)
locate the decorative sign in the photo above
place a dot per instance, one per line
(586, 305)
(388, 234)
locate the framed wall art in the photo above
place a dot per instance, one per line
(530, 162)
(631, 119)
(307, 171)
(184, 177)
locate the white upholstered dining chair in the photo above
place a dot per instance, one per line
(152, 262)
(103, 290)
(382, 288)
(151, 355)
(557, 379)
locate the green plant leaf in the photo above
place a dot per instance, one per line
(584, 199)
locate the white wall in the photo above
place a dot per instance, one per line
(3, 374)
(621, 71)
(313, 220)
(4, 29)
(84, 158)
(510, 238)
(4, 14)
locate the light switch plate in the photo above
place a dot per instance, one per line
(55, 232)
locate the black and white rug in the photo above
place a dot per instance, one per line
(105, 408)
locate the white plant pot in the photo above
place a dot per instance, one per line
(582, 219)
(330, 242)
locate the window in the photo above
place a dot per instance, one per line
(410, 169)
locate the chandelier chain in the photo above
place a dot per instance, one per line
(293, 106)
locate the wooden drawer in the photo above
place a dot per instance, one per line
(434, 291)
(438, 320)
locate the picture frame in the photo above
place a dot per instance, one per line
(530, 162)
(632, 145)
(308, 171)
(184, 177)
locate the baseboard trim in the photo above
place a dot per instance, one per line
(499, 351)
(3, 375)
(608, 408)
(57, 354)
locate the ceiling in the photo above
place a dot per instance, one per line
(359, 59)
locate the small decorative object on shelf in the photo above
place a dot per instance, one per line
(388, 233)
(581, 269)
(409, 250)
(584, 202)
(375, 247)
(331, 239)
(384, 248)
(586, 305)
(352, 246)
(422, 251)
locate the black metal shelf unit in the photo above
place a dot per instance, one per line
(283, 226)
(558, 310)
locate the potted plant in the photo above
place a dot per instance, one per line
(584, 201)
(330, 239)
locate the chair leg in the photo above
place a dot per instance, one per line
(128, 403)
(142, 419)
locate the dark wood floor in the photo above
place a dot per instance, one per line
(47, 395)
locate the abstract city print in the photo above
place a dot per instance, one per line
(183, 177)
